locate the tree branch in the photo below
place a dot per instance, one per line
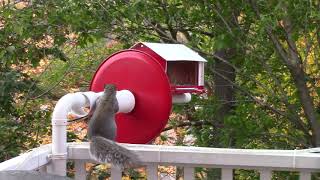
(294, 63)
(294, 54)
(184, 124)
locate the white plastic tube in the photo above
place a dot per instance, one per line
(126, 101)
(181, 98)
(75, 103)
(59, 131)
(125, 98)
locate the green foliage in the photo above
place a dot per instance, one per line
(246, 174)
(11, 82)
(25, 132)
(41, 32)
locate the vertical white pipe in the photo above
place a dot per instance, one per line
(59, 131)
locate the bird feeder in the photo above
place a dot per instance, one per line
(183, 66)
(157, 75)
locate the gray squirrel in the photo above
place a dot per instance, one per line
(102, 132)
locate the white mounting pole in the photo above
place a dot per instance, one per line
(75, 102)
(59, 132)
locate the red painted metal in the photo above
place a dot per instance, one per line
(187, 89)
(144, 48)
(141, 74)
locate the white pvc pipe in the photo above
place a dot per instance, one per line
(75, 102)
(59, 131)
(181, 98)
(125, 98)
(126, 101)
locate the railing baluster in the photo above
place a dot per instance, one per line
(305, 175)
(80, 168)
(226, 174)
(116, 173)
(265, 174)
(152, 172)
(188, 173)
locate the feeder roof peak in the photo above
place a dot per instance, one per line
(173, 52)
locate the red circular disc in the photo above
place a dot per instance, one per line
(139, 73)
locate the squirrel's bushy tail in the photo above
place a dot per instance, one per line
(106, 151)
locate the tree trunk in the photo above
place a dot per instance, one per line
(307, 103)
(293, 61)
(295, 65)
(223, 89)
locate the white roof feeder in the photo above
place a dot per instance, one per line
(183, 66)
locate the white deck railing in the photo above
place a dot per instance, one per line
(264, 161)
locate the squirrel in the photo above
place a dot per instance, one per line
(102, 132)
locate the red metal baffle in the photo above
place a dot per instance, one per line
(141, 74)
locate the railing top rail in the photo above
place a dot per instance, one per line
(31, 160)
(219, 157)
(307, 159)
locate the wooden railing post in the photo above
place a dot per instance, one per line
(188, 173)
(152, 172)
(227, 174)
(80, 170)
(305, 175)
(116, 173)
(265, 174)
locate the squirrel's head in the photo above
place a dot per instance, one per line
(109, 96)
(110, 90)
